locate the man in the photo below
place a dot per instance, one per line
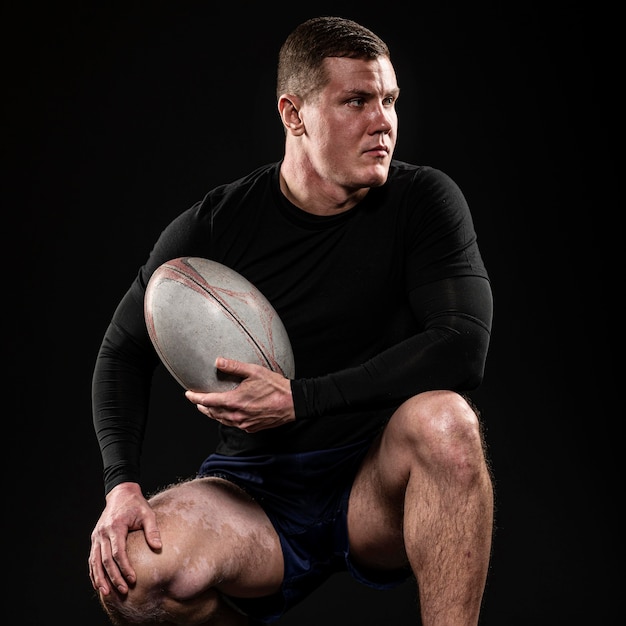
(370, 459)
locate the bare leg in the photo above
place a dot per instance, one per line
(426, 496)
(215, 539)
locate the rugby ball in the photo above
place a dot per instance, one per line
(197, 309)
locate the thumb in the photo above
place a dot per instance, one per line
(151, 530)
(153, 535)
(230, 366)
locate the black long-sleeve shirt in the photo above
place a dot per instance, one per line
(380, 302)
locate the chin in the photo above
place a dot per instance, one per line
(363, 177)
(377, 178)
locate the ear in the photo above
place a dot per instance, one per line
(289, 110)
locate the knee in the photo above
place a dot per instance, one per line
(161, 593)
(153, 598)
(145, 602)
(443, 431)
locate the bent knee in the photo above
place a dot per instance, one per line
(441, 427)
(149, 605)
(145, 601)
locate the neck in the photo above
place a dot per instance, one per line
(309, 191)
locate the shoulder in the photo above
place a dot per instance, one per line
(238, 196)
(423, 184)
(424, 176)
(262, 177)
(195, 231)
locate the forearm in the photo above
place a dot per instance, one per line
(450, 353)
(120, 394)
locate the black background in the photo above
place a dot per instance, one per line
(122, 114)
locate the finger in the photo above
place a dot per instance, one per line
(117, 565)
(199, 398)
(206, 401)
(207, 412)
(239, 369)
(96, 571)
(227, 365)
(153, 536)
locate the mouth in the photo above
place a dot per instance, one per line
(378, 151)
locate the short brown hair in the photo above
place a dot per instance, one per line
(301, 57)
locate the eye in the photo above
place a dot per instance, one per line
(389, 101)
(356, 102)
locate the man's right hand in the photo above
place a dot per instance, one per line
(126, 510)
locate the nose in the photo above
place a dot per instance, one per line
(382, 120)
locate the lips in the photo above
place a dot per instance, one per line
(379, 150)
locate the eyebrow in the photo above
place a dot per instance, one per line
(368, 94)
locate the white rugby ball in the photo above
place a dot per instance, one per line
(197, 309)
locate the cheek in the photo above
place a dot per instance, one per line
(327, 140)
(327, 128)
(340, 137)
(323, 131)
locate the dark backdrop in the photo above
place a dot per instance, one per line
(120, 115)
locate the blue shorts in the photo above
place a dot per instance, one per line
(305, 496)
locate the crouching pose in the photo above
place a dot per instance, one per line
(371, 458)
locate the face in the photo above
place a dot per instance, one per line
(351, 125)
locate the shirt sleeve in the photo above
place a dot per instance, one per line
(121, 389)
(450, 353)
